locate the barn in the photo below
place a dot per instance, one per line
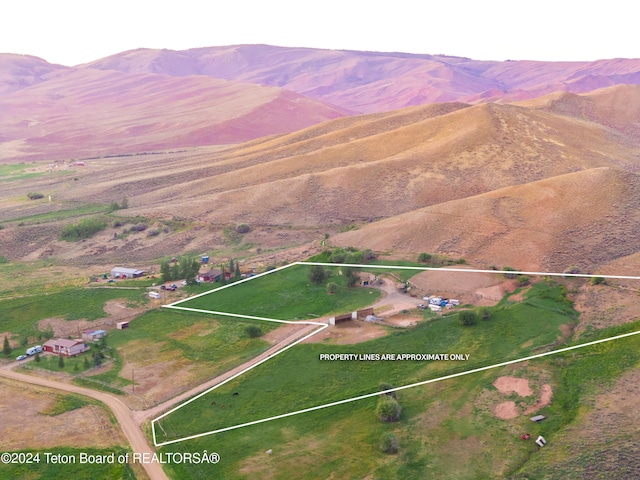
(122, 272)
(210, 276)
(65, 347)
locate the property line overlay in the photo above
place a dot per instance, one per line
(322, 326)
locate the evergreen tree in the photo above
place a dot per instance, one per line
(60, 361)
(6, 349)
(37, 357)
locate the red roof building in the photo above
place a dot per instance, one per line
(65, 347)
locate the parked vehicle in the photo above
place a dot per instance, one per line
(21, 357)
(31, 351)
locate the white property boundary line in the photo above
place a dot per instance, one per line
(324, 325)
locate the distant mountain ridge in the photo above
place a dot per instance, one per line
(368, 82)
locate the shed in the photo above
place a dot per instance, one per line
(65, 347)
(122, 272)
(93, 335)
(122, 325)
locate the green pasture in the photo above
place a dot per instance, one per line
(286, 295)
(41, 468)
(446, 429)
(515, 330)
(21, 315)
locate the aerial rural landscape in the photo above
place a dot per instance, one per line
(263, 262)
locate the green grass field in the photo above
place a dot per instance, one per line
(20, 315)
(446, 430)
(286, 295)
(39, 467)
(74, 210)
(500, 339)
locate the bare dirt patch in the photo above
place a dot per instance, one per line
(510, 384)
(347, 333)
(506, 410)
(403, 320)
(484, 289)
(546, 394)
(23, 425)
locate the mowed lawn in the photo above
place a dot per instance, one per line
(298, 379)
(286, 294)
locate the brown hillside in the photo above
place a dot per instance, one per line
(586, 218)
(617, 107)
(361, 169)
(93, 113)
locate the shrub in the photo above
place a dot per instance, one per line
(253, 331)
(153, 233)
(3, 259)
(572, 269)
(139, 227)
(384, 387)
(316, 274)
(332, 288)
(425, 257)
(113, 206)
(117, 223)
(468, 317)
(35, 195)
(388, 409)
(484, 313)
(523, 280)
(389, 443)
(509, 269)
(85, 229)
(243, 228)
(594, 280)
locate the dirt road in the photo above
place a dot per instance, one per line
(122, 413)
(392, 297)
(141, 416)
(130, 421)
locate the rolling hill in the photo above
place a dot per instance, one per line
(393, 175)
(367, 82)
(73, 113)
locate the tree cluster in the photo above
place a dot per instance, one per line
(186, 268)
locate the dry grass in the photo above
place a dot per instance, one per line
(24, 426)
